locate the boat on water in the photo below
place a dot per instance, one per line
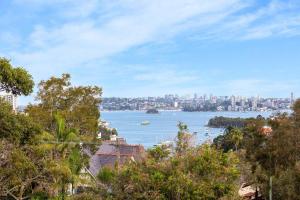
(103, 123)
(144, 123)
(207, 131)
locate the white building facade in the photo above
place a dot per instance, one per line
(10, 98)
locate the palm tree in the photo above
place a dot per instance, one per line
(236, 137)
(66, 141)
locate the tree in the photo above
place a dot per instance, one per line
(237, 137)
(230, 140)
(22, 171)
(34, 163)
(184, 139)
(275, 156)
(15, 80)
(160, 152)
(15, 127)
(193, 172)
(79, 106)
(67, 155)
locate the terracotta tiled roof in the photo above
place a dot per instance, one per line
(266, 130)
(109, 153)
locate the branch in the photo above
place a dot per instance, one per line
(11, 194)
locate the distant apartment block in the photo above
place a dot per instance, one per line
(12, 99)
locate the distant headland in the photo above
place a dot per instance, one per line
(152, 111)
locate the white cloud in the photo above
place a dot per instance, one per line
(166, 77)
(77, 34)
(92, 29)
(277, 18)
(73, 43)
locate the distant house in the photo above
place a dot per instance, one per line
(266, 130)
(113, 151)
(249, 192)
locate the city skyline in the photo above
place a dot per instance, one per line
(140, 49)
(192, 95)
(199, 103)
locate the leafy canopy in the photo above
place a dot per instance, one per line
(188, 172)
(79, 106)
(14, 80)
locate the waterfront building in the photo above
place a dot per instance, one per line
(175, 104)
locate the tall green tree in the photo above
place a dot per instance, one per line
(184, 139)
(15, 127)
(79, 106)
(14, 79)
(236, 135)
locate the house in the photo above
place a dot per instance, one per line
(111, 152)
(266, 130)
(249, 192)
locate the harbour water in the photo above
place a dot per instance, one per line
(163, 126)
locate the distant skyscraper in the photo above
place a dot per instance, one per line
(204, 97)
(195, 96)
(233, 102)
(214, 99)
(243, 102)
(211, 97)
(254, 103)
(292, 98)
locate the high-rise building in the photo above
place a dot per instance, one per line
(233, 102)
(213, 100)
(243, 102)
(12, 99)
(195, 96)
(211, 97)
(204, 97)
(292, 98)
(254, 103)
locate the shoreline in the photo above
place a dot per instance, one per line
(252, 111)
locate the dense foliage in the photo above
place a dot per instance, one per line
(224, 122)
(42, 153)
(14, 127)
(269, 156)
(15, 80)
(152, 111)
(230, 140)
(34, 162)
(186, 172)
(79, 106)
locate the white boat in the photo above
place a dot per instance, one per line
(144, 123)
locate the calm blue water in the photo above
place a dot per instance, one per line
(163, 126)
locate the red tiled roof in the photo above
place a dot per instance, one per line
(108, 154)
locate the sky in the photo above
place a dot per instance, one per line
(155, 47)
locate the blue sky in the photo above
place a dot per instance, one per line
(154, 47)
